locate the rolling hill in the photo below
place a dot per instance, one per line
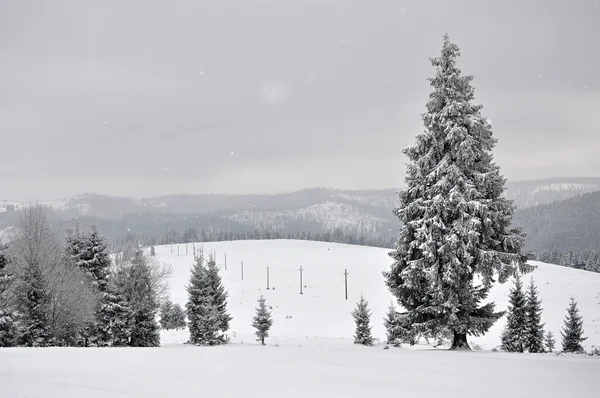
(321, 315)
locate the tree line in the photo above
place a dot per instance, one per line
(68, 292)
(588, 260)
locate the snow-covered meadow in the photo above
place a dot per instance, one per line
(310, 351)
(321, 315)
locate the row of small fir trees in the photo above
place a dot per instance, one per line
(524, 331)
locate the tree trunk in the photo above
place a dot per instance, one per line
(460, 342)
(262, 340)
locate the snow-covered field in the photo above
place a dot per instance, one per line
(310, 351)
(286, 371)
(321, 315)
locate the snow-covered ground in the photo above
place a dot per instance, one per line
(321, 315)
(310, 351)
(286, 371)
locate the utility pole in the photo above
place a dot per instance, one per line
(346, 282)
(268, 287)
(242, 265)
(301, 280)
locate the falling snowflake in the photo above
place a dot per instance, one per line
(232, 154)
(201, 72)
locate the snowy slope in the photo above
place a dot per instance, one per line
(281, 372)
(321, 316)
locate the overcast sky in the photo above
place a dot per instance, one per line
(152, 97)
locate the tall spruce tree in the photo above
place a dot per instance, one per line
(534, 328)
(262, 320)
(177, 317)
(456, 223)
(572, 333)
(514, 336)
(362, 318)
(208, 319)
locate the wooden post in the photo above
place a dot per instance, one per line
(194, 247)
(346, 282)
(186, 249)
(225, 261)
(301, 292)
(268, 287)
(178, 250)
(242, 265)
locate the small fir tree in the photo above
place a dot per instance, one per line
(144, 304)
(114, 322)
(177, 317)
(208, 319)
(8, 329)
(392, 327)
(262, 321)
(362, 316)
(534, 328)
(572, 333)
(549, 342)
(166, 309)
(32, 305)
(152, 251)
(514, 335)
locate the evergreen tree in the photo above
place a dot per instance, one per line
(177, 317)
(549, 341)
(456, 223)
(143, 303)
(152, 251)
(32, 305)
(514, 337)
(8, 328)
(534, 328)
(206, 306)
(392, 327)
(114, 323)
(165, 314)
(262, 321)
(572, 333)
(362, 317)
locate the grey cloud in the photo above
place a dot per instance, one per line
(153, 97)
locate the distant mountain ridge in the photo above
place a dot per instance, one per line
(318, 210)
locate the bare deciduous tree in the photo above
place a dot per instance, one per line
(69, 298)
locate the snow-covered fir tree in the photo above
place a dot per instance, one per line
(143, 303)
(514, 336)
(91, 255)
(114, 322)
(165, 314)
(362, 319)
(32, 302)
(208, 319)
(177, 317)
(572, 333)
(534, 328)
(8, 328)
(549, 341)
(392, 327)
(262, 320)
(456, 223)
